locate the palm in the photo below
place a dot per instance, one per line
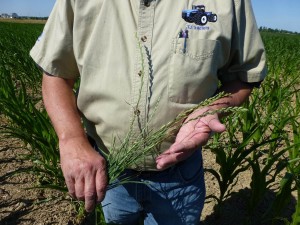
(190, 137)
(193, 133)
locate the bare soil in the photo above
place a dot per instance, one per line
(21, 205)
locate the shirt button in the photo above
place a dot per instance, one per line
(137, 112)
(140, 73)
(144, 38)
(147, 3)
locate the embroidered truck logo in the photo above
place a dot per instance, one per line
(198, 15)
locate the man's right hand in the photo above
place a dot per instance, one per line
(83, 167)
(84, 170)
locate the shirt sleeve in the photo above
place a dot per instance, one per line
(247, 61)
(53, 51)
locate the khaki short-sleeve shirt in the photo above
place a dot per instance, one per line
(167, 55)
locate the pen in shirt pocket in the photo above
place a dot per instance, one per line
(184, 34)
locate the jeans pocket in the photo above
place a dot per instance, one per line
(191, 169)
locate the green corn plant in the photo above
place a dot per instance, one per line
(282, 199)
(294, 155)
(233, 155)
(32, 126)
(288, 71)
(244, 136)
(257, 138)
(265, 175)
(267, 165)
(277, 97)
(19, 95)
(15, 43)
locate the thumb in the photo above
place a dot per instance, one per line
(216, 126)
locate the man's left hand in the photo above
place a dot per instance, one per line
(191, 135)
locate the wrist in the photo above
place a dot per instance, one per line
(71, 134)
(76, 140)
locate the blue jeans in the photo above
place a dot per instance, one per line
(171, 197)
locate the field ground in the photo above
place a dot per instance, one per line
(21, 205)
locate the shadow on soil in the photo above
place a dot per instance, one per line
(16, 210)
(234, 211)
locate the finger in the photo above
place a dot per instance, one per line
(191, 142)
(90, 192)
(167, 160)
(177, 152)
(71, 186)
(79, 189)
(101, 184)
(216, 126)
(182, 150)
(172, 159)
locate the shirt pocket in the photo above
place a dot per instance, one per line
(193, 70)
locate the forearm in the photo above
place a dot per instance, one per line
(239, 93)
(84, 169)
(61, 106)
